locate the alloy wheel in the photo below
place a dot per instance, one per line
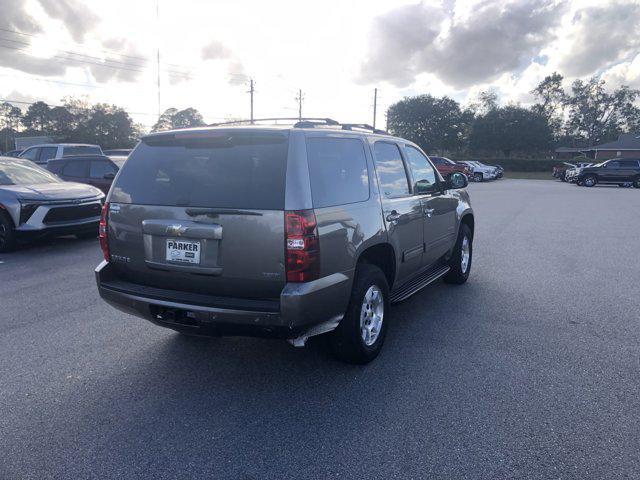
(371, 315)
(465, 255)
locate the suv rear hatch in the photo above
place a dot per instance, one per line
(202, 212)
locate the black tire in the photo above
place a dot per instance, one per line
(579, 183)
(88, 235)
(458, 275)
(590, 181)
(346, 341)
(636, 182)
(478, 177)
(563, 178)
(7, 233)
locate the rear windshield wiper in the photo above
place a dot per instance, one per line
(214, 212)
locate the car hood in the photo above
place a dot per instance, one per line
(53, 191)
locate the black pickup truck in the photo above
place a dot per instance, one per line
(618, 171)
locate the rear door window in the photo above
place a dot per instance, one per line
(75, 169)
(47, 153)
(392, 175)
(225, 169)
(338, 171)
(629, 163)
(99, 168)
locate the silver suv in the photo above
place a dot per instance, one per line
(281, 231)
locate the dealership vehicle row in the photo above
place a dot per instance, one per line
(624, 172)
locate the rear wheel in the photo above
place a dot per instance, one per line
(360, 335)
(589, 181)
(636, 182)
(7, 233)
(478, 177)
(460, 262)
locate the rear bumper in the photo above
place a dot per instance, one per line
(300, 307)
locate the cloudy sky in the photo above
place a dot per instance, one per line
(336, 51)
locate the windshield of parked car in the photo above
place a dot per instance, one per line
(24, 173)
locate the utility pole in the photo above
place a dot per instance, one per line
(375, 106)
(250, 92)
(158, 54)
(299, 99)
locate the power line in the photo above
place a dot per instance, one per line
(113, 52)
(23, 77)
(68, 55)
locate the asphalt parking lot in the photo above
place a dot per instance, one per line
(530, 370)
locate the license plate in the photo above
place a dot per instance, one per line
(183, 251)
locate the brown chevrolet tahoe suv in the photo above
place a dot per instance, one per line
(281, 231)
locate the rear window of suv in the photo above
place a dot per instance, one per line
(226, 170)
(81, 150)
(338, 171)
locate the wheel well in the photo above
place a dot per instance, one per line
(4, 211)
(383, 257)
(469, 221)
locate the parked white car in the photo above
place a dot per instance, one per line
(41, 154)
(481, 171)
(571, 174)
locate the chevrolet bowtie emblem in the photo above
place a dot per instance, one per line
(176, 230)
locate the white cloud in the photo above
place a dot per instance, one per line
(336, 51)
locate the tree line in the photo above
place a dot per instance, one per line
(77, 121)
(583, 114)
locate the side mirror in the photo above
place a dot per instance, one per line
(457, 180)
(424, 186)
(109, 176)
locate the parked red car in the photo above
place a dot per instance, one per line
(446, 167)
(96, 170)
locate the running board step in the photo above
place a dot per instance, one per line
(418, 283)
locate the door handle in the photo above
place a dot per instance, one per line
(393, 217)
(429, 211)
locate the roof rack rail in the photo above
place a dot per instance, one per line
(298, 120)
(363, 126)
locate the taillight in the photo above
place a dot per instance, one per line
(103, 231)
(302, 248)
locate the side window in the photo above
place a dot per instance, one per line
(390, 170)
(74, 168)
(338, 171)
(424, 176)
(30, 154)
(47, 153)
(613, 165)
(99, 168)
(629, 163)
